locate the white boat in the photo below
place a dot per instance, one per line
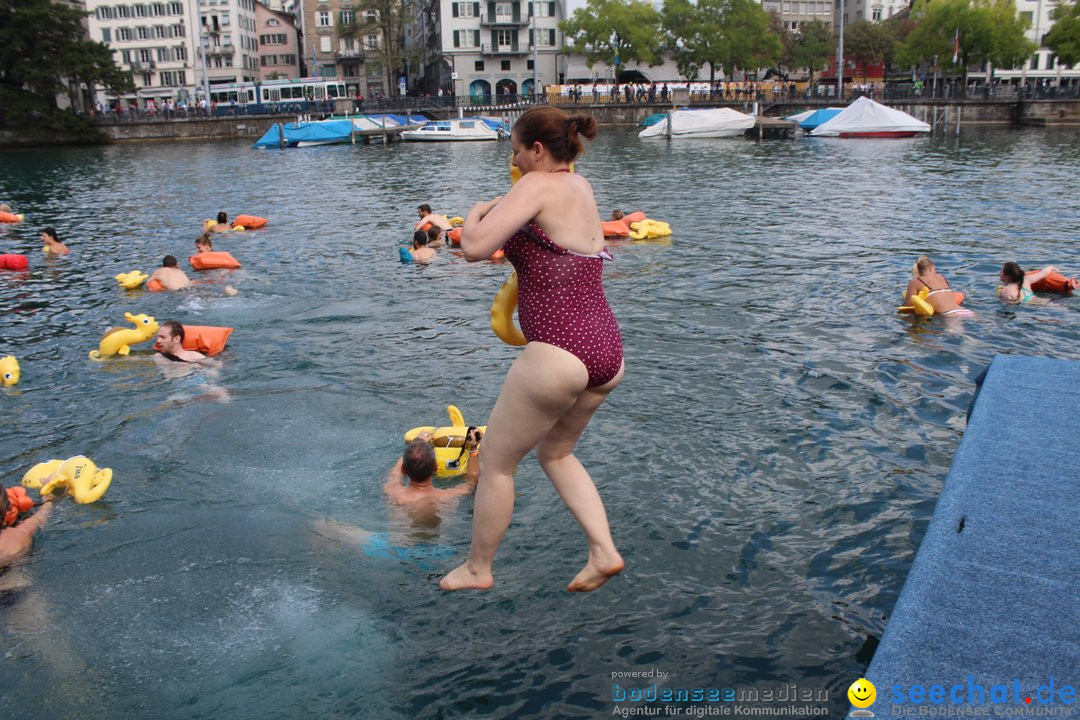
(453, 129)
(713, 123)
(865, 118)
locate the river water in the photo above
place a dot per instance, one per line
(769, 464)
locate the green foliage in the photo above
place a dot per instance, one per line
(867, 42)
(604, 30)
(36, 120)
(814, 44)
(1064, 37)
(42, 43)
(729, 35)
(990, 31)
(388, 23)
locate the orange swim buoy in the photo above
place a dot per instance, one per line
(249, 222)
(636, 216)
(7, 217)
(14, 262)
(207, 339)
(214, 261)
(1055, 282)
(18, 503)
(454, 236)
(615, 228)
(155, 286)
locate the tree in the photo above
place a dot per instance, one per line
(989, 31)
(386, 19)
(616, 32)
(867, 43)
(814, 44)
(43, 47)
(1064, 36)
(729, 35)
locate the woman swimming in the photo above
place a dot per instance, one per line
(941, 297)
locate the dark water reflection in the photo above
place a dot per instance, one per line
(769, 465)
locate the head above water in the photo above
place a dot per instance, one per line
(418, 460)
(204, 242)
(433, 233)
(424, 209)
(556, 130)
(922, 266)
(222, 218)
(168, 261)
(1012, 273)
(51, 232)
(420, 238)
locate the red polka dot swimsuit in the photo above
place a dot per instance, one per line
(561, 302)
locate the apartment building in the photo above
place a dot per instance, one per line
(279, 46)
(793, 13)
(327, 54)
(486, 49)
(158, 42)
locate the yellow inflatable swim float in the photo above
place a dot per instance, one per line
(502, 313)
(451, 460)
(131, 280)
(77, 476)
(649, 229)
(9, 371)
(118, 341)
(919, 304)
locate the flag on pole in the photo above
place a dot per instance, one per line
(956, 47)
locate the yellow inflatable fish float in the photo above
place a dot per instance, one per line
(449, 442)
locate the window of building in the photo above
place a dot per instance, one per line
(147, 78)
(505, 66)
(478, 66)
(228, 61)
(322, 18)
(876, 15)
(273, 22)
(123, 11)
(159, 32)
(140, 11)
(465, 9)
(176, 8)
(106, 35)
(125, 56)
(104, 13)
(324, 44)
(180, 52)
(224, 19)
(163, 55)
(371, 42)
(123, 34)
(1035, 61)
(370, 16)
(543, 9)
(505, 39)
(346, 17)
(157, 9)
(503, 10)
(529, 64)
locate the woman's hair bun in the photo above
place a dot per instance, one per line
(584, 125)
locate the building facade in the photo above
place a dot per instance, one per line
(486, 49)
(329, 54)
(279, 45)
(794, 13)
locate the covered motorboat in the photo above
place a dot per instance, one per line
(712, 123)
(454, 129)
(818, 117)
(865, 118)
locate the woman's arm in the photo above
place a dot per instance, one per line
(1037, 276)
(912, 289)
(489, 225)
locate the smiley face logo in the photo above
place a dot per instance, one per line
(862, 693)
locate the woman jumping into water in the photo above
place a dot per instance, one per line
(550, 227)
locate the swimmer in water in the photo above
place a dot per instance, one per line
(1017, 284)
(426, 216)
(169, 275)
(169, 342)
(16, 536)
(941, 296)
(221, 225)
(420, 252)
(52, 243)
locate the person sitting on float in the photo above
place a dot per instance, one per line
(1017, 287)
(417, 465)
(17, 536)
(53, 246)
(420, 252)
(940, 297)
(426, 216)
(221, 225)
(169, 275)
(169, 342)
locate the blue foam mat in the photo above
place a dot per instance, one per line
(993, 596)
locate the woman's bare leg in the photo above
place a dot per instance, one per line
(576, 488)
(541, 386)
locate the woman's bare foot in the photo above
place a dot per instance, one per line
(596, 572)
(462, 578)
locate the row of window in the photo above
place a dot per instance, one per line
(170, 78)
(371, 42)
(274, 39)
(266, 60)
(123, 12)
(504, 65)
(156, 32)
(345, 17)
(504, 38)
(162, 54)
(540, 8)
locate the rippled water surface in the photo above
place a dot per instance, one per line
(769, 464)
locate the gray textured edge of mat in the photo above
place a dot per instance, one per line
(993, 590)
